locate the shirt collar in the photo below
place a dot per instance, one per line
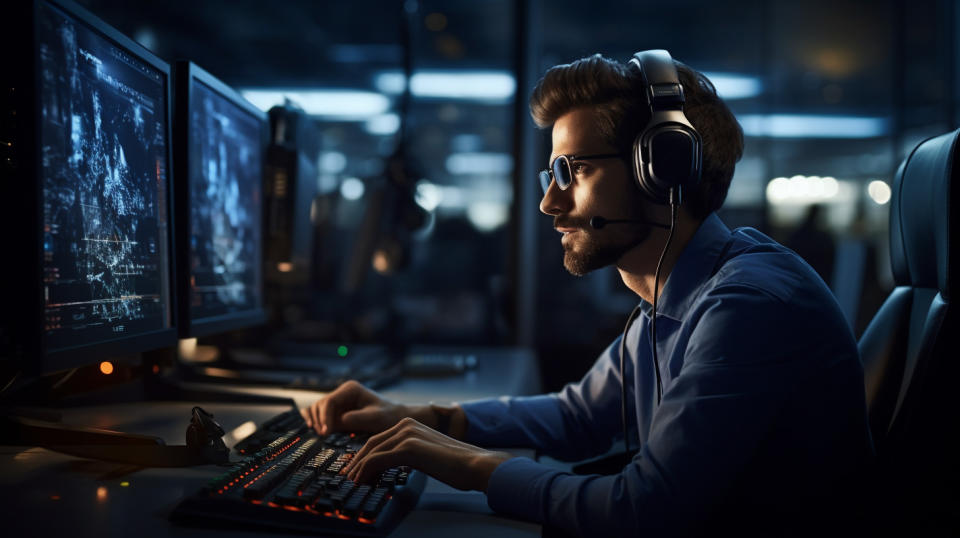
(694, 267)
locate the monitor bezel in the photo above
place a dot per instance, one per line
(36, 356)
(186, 75)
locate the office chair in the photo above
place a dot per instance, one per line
(909, 349)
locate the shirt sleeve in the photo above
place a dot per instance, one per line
(742, 359)
(580, 421)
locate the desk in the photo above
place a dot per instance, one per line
(44, 493)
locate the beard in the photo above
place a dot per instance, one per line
(592, 252)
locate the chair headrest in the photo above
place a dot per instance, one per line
(920, 219)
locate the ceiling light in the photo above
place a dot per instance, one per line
(479, 163)
(813, 126)
(731, 86)
(495, 86)
(879, 191)
(341, 104)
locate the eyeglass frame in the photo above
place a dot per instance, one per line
(568, 159)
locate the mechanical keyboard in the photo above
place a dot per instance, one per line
(288, 479)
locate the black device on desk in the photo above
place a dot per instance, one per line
(288, 479)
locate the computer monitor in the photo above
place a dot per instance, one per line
(86, 190)
(220, 144)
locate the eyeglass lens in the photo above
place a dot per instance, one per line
(561, 173)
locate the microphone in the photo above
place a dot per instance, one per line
(597, 222)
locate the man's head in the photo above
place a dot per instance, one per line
(598, 106)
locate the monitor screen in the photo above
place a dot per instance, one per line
(103, 137)
(226, 142)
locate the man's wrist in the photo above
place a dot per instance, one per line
(449, 420)
(442, 417)
(485, 465)
(422, 414)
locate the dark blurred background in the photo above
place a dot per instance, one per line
(830, 93)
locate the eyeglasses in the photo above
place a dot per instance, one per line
(562, 171)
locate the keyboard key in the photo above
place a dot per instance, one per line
(351, 506)
(323, 504)
(371, 508)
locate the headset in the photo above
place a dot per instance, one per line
(668, 152)
(667, 158)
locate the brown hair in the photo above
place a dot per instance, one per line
(616, 93)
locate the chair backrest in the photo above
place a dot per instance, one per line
(911, 340)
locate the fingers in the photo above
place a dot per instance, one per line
(404, 447)
(373, 465)
(366, 419)
(324, 414)
(388, 438)
(410, 443)
(400, 445)
(308, 415)
(315, 415)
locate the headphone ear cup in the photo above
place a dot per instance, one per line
(641, 158)
(666, 156)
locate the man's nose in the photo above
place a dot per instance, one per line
(555, 201)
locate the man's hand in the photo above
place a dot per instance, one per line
(353, 407)
(409, 442)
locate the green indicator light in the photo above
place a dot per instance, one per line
(342, 351)
(124, 484)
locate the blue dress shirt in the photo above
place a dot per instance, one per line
(763, 402)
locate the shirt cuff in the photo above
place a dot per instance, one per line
(519, 487)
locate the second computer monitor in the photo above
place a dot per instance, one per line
(220, 142)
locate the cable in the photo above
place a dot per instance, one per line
(674, 214)
(10, 383)
(66, 377)
(656, 288)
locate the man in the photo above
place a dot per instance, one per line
(754, 411)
